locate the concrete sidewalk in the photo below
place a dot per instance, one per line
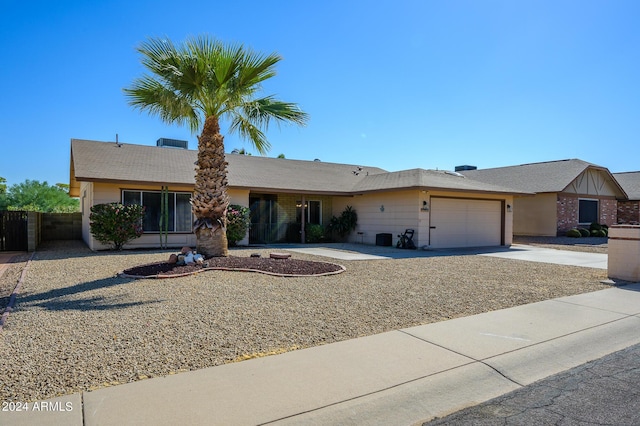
(400, 377)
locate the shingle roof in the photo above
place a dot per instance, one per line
(630, 182)
(551, 176)
(434, 179)
(108, 162)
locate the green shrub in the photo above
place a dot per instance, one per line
(238, 221)
(595, 226)
(345, 223)
(584, 232)
(314, 233)
(574, 233)
(115, 223)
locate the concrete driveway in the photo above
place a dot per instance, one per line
(559, 257)
(344, 251)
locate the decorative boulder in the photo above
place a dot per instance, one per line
(279, 255)
(185, 250)
(173, 259)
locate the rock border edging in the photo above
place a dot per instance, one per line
(222, 268)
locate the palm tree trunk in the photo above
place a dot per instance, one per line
(210, 200)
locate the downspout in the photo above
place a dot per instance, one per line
(303, 238)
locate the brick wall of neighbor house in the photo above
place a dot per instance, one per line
(567, 213)
(629, 212)
(608, 212)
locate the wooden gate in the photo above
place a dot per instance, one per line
(14, 231)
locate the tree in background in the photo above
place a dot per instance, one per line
(3, 193)
(200, 83)
(33, 195)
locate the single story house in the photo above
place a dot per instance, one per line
(629, 210)
(568, 193)
(446, 209)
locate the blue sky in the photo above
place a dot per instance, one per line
(397, 85)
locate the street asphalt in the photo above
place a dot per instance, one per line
(600, 392)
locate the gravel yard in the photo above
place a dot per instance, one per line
(77, 326)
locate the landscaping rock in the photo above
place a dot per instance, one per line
(279, 255)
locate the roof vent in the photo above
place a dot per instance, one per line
(172, 143)
(465, 167)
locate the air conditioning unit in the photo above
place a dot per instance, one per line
(172, 143)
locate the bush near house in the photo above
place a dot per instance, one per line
(238, 221)
(595, 230)
(574, 233)
(116, 224)
(584, 232)
(345, 223)
(314, 232)
(598, 230)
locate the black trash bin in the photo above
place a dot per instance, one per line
(383, 239)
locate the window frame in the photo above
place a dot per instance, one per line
(308, 210)
(174, 206)
(597, 210)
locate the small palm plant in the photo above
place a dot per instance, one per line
(200, 83)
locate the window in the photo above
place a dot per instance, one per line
(179, 209)
(588, 211)
(313, 211)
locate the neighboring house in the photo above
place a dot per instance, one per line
(629, 210)
(445, 209)
(569, 193)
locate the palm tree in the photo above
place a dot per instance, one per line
(200, 83)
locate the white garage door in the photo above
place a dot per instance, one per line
(465, 223)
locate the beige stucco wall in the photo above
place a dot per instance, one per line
(402, 210)
(624, 252)
(98, 193)
(535, 215)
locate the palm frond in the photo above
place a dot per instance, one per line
(148, 94)
(204, 77)
(264, 110)
(247, 130)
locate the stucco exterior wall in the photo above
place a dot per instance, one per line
(624, 252)
(535, 215)
(382, 212)
(394, 212)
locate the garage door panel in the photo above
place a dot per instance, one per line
(465, 223)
